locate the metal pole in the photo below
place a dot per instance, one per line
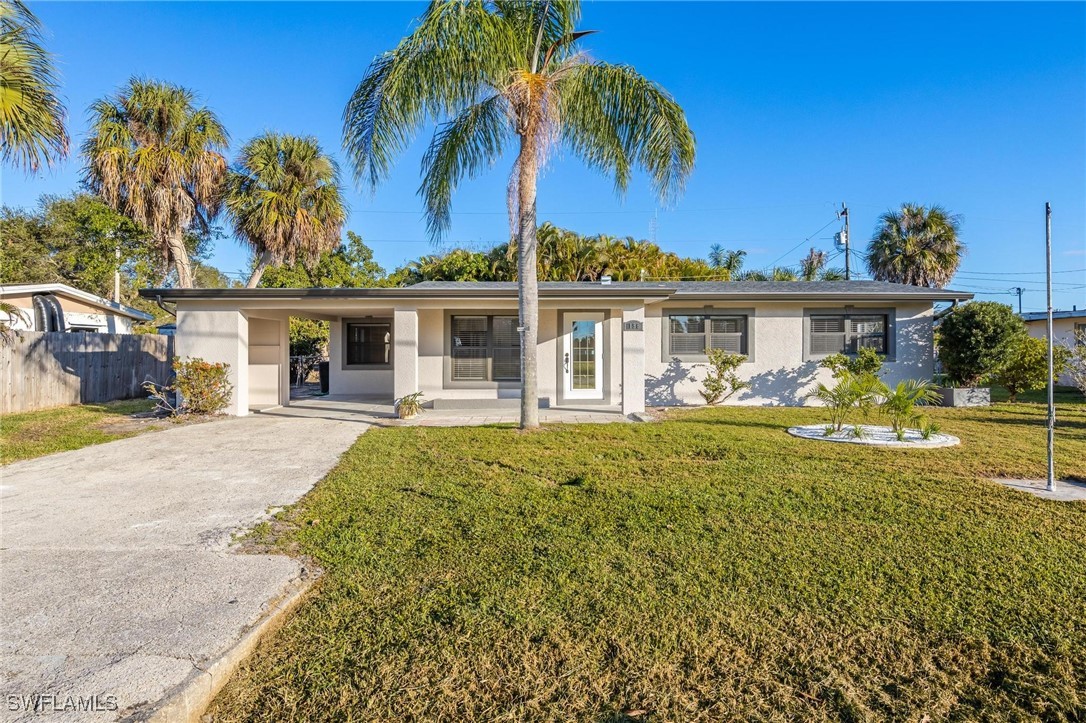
(1051, 403)
(848, 240)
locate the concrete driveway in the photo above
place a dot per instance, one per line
(118, 587)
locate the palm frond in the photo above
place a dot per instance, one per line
(462, 148)
(32, 132)
(615, 118)
(459, 54)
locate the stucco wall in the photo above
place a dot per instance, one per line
(1063, 332)
(777, 371)
(218, 335)
(369, 383)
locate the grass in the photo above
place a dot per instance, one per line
(709, 567)
(1061, 395)
(33, 434)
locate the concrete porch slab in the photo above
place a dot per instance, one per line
(1065, 490)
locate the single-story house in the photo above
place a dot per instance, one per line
(1064, 326)
(59, 307)
(624, 345)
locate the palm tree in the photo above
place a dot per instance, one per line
(31, 115)
(154, 156)
(916, 245)
(811, 264)
(504, 70)
(285, 201)
(726, 261)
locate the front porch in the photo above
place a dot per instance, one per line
(382, 413)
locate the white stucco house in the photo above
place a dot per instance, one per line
(59, 307)
(621, 345)
(1064, 326)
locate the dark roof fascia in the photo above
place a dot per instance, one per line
(405, 292)
(823, 296)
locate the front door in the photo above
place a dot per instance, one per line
(582, 356)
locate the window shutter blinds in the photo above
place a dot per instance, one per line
(827, 334)
(469, 348)
(506, 341)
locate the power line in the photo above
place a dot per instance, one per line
(1017, 273)
(806, 240)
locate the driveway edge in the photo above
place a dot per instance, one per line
(188, 702)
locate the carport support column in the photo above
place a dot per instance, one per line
(633, 360)
(218, 336)
(405, 356)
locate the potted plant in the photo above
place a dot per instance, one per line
(975, 340)
(409, 407)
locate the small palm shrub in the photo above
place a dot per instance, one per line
(851, 393)
(722, 382)
(1076, 361)
(899, 403)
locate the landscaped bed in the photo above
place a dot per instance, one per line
(873, 435)
(707, 567)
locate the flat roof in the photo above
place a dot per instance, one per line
(1043, 315)
(737, 290)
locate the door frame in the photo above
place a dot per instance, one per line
(600, 319)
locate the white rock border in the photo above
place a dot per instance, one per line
(874, 436)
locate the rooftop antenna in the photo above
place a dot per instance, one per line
(653, 224)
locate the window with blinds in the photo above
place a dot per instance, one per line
(368, 344)
(847, 334)
(485, 348)
(696, 334)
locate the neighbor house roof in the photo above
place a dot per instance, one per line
(738, 290)
(9, 290)
(1043, 315)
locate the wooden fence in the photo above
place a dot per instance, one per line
(41, 370)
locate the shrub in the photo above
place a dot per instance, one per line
(852, 392)
(975, 338)
(899, 403)
(1026, 365)
(867, 361)
(722, 381)
(199, 387)
(1076, 361)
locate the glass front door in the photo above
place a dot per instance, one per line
(582, 356)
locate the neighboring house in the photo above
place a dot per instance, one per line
(59, 307)
(626, 345)
(1064, 326)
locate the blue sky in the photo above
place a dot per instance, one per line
(796, 107)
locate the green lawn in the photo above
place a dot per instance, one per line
(33, 434)
(709, 567)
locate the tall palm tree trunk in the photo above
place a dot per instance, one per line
(179, 255)
(528, 282)
(258, 271)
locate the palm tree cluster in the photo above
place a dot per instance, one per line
(564, 255)
(159, 158)
(32, 130)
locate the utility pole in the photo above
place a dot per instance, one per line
(1051, 487)
(1018, 290)
(843, 213)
